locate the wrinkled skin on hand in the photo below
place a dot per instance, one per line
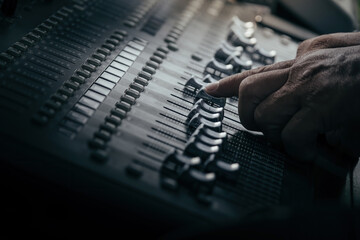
(295, 102)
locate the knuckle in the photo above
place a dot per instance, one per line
(245, 88)
(313, 44)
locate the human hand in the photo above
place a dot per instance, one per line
(296, 101)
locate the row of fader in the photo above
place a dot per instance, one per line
(199, 165)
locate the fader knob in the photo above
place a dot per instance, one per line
(239, 63)
(218, 69)
(226, 171)
(209, 79)
(223, 53)
(196, 148)
(204, 130)
(263, 56)
(197, 120)
(176, 163)
(210, 99)
(237, 38)
(194, 82)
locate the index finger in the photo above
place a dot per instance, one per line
(254, 90)
(229, 86)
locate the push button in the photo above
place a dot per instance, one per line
(152, 64)
(145, 75)
(109, 46)
(120, 113)
(160, 54)
(94, 61)
(149, 70)
(113, 41)
(104, 51)
(77, 78)
(121, 32)
(113, 120)
(71, 84)
(163, 49)
(89, 67)
(156, 59)
(142, 81)
(66, 91)
(132, 92)
(138, 87)
(117, 37)
(129, 99)
(97, 143)
(53, 104)
(196, 57)
(99, 56)
(83, 73)
(108, 127)
(173, 47)
(124, 106)
(100, 155)
(104, 135)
